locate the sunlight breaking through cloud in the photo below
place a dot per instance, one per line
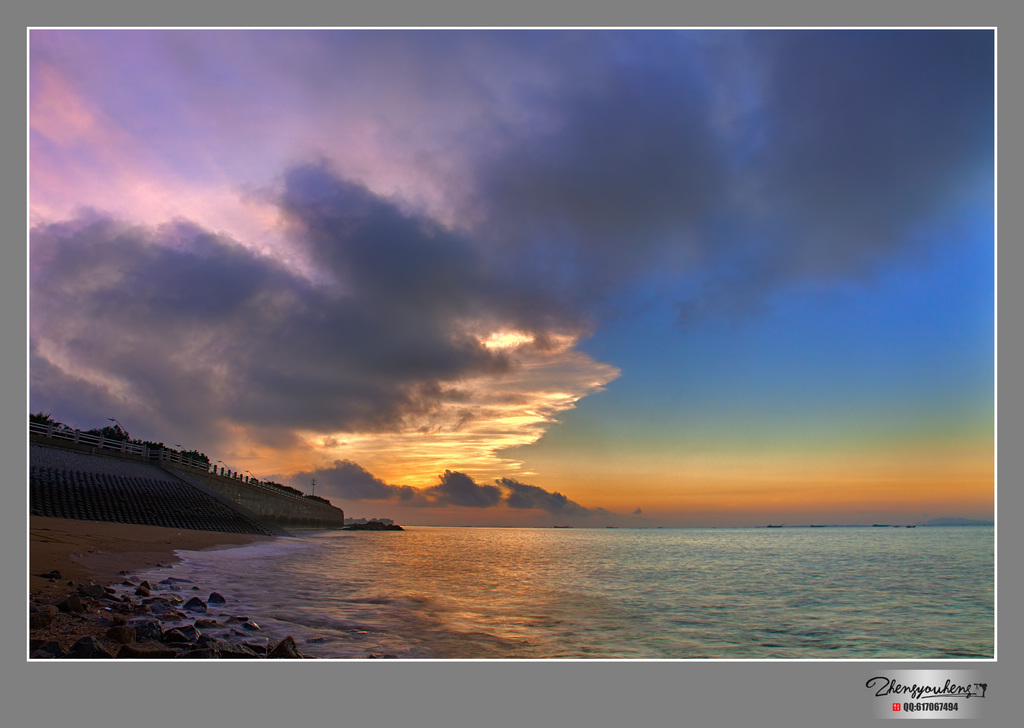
(481, 417)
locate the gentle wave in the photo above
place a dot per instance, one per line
(493, 593)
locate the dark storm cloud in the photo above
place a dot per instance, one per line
(406, 266)
(458, 489)
(350, 481)
(740, 161)
(869, 134)
(68, 398)
(195, 331)
(621, 160)
(521, 495)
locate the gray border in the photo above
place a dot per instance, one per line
(491, 694)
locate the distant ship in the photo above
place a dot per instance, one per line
(770, 525)
(561, 526)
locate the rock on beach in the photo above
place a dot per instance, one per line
(73, 615)
(94, 622)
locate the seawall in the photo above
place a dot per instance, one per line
(292, 512)
(68, 480)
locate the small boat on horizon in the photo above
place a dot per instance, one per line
(772, 525)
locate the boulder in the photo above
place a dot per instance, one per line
(47, 651)
(87, 648)
(216, 598)
(146, 628)
(54, 574)
(158, 606)
(195, 604)
(71, 604)
(92, 590)
(187, 634)
(285, 650)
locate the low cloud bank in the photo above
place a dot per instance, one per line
(346, 480)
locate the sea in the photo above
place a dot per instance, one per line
(441, 593)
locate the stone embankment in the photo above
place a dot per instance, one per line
(271, 506)
(64, 483)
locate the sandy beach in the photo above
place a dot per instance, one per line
(94, 552)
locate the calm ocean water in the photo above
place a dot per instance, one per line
(507, 593)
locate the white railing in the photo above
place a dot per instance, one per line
(59, 432)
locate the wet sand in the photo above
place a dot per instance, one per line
(96, 552)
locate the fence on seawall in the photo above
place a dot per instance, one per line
(269, 502)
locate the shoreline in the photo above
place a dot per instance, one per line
(81, 563)
(97, 551)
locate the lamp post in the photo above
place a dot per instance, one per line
(114, 420)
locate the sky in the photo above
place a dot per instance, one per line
(525, 277)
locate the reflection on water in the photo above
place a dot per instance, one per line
(494, 593)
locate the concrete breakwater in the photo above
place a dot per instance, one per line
(67, 483)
